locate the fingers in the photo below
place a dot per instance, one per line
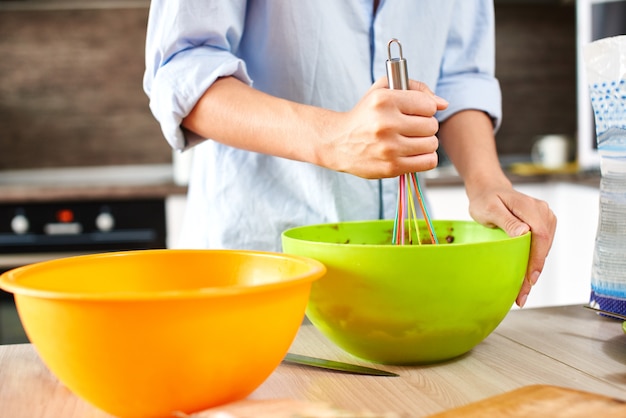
(388, 133)
(419, 86)
(418, 163)
(543, 226)
(522, 296)
(408, 142)
(517, 214)
(415, 86)
(409, 113)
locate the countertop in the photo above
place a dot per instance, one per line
(85, 183)
(520, 172)
(156, 181)
(566, 346)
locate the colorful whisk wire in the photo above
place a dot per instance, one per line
(409, 188)
(406, 220)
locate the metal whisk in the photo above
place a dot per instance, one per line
(408, 184)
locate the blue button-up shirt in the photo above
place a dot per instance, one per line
(324, 53)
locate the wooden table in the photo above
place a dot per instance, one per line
(564, 346)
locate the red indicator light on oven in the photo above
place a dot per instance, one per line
(65, 215)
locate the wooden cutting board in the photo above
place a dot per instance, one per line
(541, 401)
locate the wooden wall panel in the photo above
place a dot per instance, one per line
(536, 66)
(71, 90)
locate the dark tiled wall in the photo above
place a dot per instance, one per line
(536, 65)
(71, 89)
(71, 95)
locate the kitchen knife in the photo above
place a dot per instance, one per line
(334, 365)
(607, 313)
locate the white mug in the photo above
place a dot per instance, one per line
(551, 151)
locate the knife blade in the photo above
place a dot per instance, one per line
(292, 358)
(607, 313)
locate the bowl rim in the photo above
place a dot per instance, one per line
(9, 279)
(285, 235)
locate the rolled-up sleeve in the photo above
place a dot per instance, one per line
(189, 45)
(467, 78)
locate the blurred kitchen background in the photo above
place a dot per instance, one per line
(79, 149)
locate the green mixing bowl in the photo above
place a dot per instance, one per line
(410, 304)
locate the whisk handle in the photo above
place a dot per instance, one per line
(397, 73)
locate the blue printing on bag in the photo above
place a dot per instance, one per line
(608, 303)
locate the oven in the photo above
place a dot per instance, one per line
(38, 231)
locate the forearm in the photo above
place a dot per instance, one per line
(240, 116)
(468, 139)
(387, 133)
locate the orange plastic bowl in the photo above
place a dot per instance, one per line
(150, 333)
